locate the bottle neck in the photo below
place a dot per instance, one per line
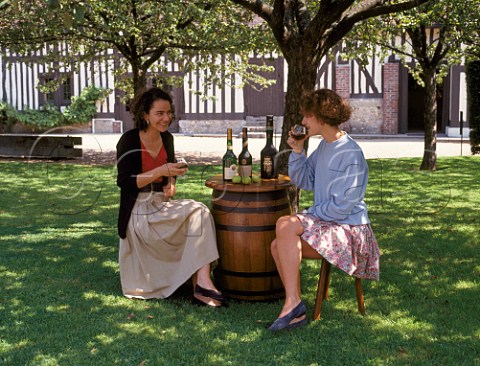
(269, 133)
(269, 139)
(244, 139)
(229, 140)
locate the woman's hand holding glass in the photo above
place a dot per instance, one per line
(183, 164)
(296, 138)
(174, 169)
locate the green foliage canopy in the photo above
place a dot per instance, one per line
(144, 36)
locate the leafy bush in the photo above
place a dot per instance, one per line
(47, 117)
(7, 116)
(83, 107)
(473, 96)
(81, 110)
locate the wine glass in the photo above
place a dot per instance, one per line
(298, 132)
(183, 162)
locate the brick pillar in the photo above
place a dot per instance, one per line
(342, 80)
(342, 87)
(391, 94)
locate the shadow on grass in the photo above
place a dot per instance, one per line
(61, 302)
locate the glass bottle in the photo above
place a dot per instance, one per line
(268, 155)
(245, 158)
(229, 160)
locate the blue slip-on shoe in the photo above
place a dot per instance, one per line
(283, 323)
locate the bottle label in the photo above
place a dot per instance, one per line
(229, 171)
(267, 165)
(245, 170)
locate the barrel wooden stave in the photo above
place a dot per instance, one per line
(245, 224)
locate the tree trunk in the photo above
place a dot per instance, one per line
(472, 71)
(139, 80)
(300, 78)
(430, 121)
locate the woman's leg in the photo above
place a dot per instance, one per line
(202, 278)
(287, 253)
(288, 249)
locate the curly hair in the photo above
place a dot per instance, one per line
(326, 105)
(144, 103)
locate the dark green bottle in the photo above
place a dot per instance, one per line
(245, 158)
(268, 155)
(229, 161)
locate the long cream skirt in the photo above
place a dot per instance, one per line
(166, 243)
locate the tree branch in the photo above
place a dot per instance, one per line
(302, 16)
(372, 8)
(364, 10)
(263, 10)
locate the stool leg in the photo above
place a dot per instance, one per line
(322, 289)
(358, 289)
(327, 280)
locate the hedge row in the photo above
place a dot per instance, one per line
(81, 110)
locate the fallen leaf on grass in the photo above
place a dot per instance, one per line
(132, 315)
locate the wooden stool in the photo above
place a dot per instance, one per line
(324, 284)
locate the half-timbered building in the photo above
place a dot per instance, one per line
(385, 98)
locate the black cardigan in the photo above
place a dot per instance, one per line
(129, 165)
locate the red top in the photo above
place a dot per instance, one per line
(149, 162)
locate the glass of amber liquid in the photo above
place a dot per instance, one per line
(298, 132)
(184, 164)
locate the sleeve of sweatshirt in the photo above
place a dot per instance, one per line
(301, 170)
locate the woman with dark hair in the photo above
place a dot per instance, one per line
(163, 242)
(337, 226)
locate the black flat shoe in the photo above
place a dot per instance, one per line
(199, 290)
(284, 323)
(201, 303)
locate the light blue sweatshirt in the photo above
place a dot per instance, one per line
(337, 173)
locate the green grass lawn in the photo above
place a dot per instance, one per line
(61, 301)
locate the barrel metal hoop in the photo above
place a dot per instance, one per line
(245, 229)
(244, 210)
(249, 196)
(246, 274)
(251, 293)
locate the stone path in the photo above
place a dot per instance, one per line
(210, 149)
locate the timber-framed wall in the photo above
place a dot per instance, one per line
(377, 92)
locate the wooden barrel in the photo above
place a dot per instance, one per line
(245, 218)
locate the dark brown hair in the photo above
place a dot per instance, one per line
(326, 105)
(144, 103)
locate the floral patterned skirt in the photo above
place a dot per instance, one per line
(351, 248)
